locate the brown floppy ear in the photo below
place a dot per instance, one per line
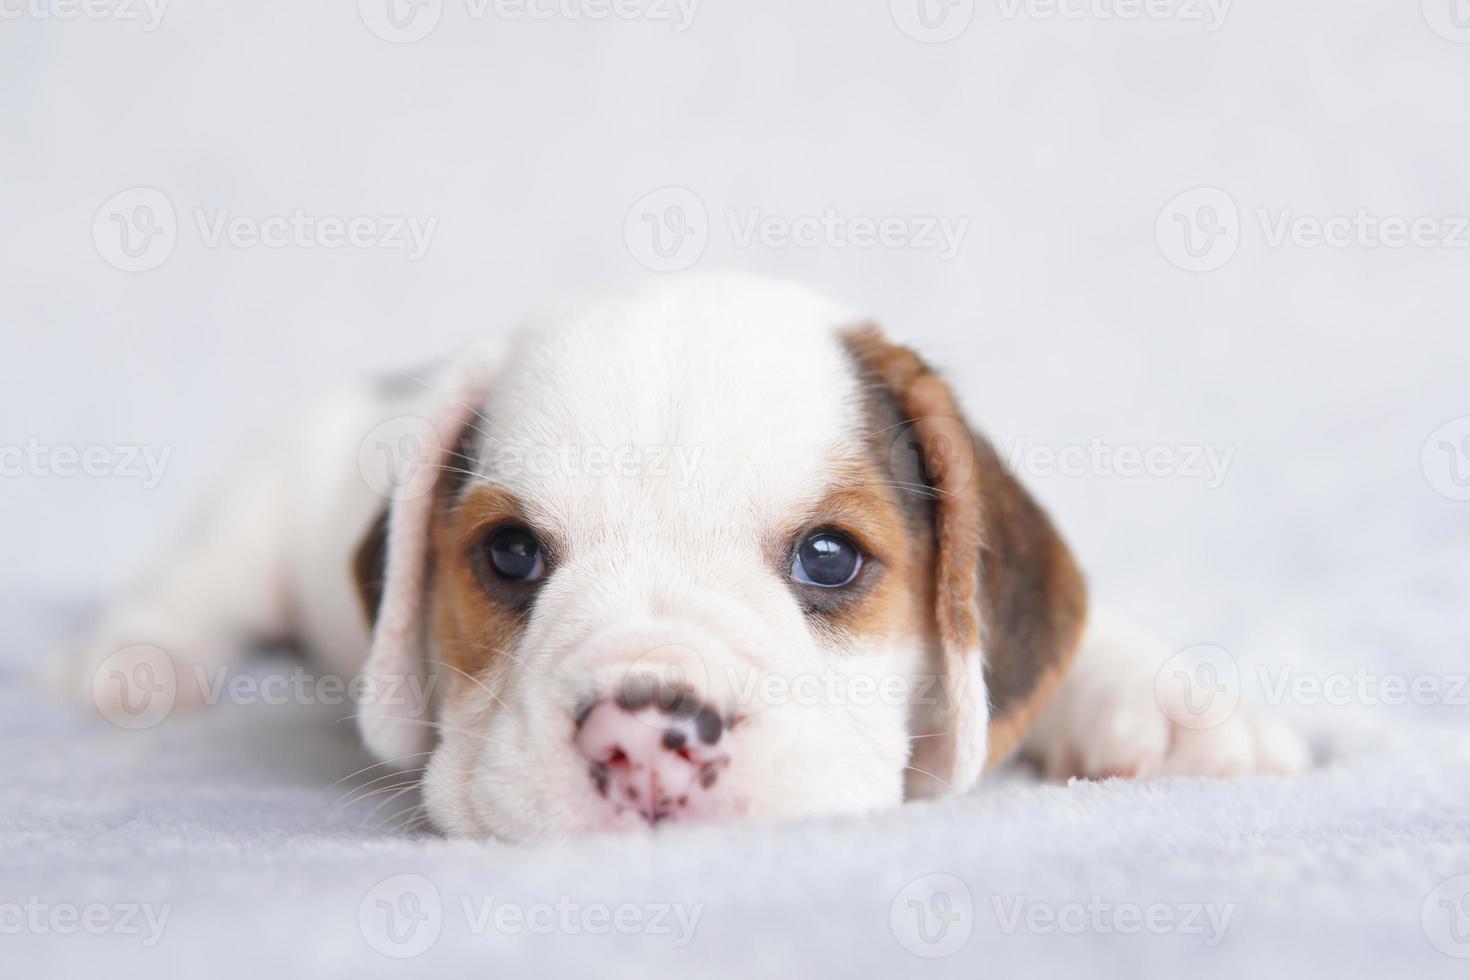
(1009, 601)
(369, 562)
(393, 565)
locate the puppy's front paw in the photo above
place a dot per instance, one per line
(1114, 718)
(135, 666)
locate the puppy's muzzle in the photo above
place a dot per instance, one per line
(654, 748)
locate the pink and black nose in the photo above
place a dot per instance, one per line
(654, 749)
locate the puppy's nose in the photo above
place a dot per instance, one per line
(654, 749)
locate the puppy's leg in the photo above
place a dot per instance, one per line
(1114, 715)
(199, 610)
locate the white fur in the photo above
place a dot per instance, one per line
(1111, 718)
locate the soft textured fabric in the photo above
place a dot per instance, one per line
(230, 824)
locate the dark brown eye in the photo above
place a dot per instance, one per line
(827, 560)
(515, 554)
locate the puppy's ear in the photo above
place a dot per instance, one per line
(1009, 601)
(393, 565)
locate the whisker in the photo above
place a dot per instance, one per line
(438, 726)
(385, 762)
(390, 800)
(357, 792)
(406, 821)
(493, 696)
(930, 775)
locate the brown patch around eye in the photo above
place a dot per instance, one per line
(477, 621)
(881, 601)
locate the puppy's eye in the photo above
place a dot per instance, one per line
(515, 554)
(827, 560)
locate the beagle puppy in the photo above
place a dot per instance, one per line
(703, 550)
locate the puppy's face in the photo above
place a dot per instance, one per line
(682, 564)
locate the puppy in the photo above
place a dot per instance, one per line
(707, 550)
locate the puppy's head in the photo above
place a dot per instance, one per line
(705, 552)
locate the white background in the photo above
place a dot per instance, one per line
(1061, 318)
